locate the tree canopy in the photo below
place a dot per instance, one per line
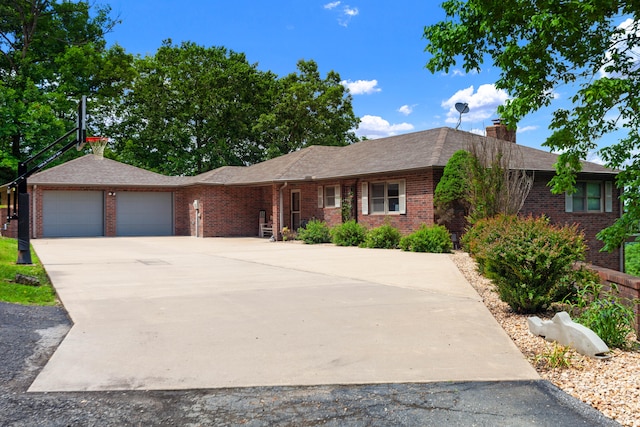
(186, 109)
(308, 110)
(192, 109)
(591, 47)
(51, 53)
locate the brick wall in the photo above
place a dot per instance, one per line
(542, 201)
(226, 211)
(419, 201)
(12, 227)
(308, 203)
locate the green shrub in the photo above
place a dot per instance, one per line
(528, 259)
(483, 233)
(434, 239)
(349, 233)
(316, 231)
(383, 237)
(632, 258)
(605, 313)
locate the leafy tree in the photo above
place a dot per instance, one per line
(545, 45)
(453, 189)
(191, 109)
(51, 53)
(483, 181)
(308, 110)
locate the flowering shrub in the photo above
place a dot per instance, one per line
(434, 239)
(529, 260)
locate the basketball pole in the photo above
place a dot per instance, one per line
(24, 244)
(20, 183)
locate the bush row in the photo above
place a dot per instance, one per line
(427, 239)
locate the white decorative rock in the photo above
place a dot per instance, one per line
(566, 332)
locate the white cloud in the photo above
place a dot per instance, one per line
(345, 14)
(350, 11)
(406, 109)
(483, 103)
(361, 87)
(629, 31)
(456, 72)
(524, 129)
(376, 127)
(595, 157)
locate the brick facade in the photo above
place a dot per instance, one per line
(419, 188)
(233, 211)
(542, 202)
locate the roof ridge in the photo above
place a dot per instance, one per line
(301, 155)
(443, 133)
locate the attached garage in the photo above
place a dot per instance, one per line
(73, 213)
(144, 213)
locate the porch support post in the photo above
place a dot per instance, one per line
(275, 210)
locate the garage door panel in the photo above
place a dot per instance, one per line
(144, 214)
(73, 213)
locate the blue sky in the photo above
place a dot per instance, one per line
(376, 46)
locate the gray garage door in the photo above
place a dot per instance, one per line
(144, 214)
(73, 213)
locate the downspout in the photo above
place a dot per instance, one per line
(281, 216)
(35, 212)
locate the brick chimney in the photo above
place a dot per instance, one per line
(500, 131)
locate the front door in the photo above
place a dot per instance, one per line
(295, 210)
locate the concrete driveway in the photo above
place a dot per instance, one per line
(169, 313)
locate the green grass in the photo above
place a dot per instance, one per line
(22, 294)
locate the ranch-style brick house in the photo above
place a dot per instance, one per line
(390, 179)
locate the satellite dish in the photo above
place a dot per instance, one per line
(462, 108)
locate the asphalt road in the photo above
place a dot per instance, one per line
(29, 335)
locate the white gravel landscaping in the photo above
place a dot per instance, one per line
(611, 386)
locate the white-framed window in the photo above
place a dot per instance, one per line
(332, 196)
(386, 197)
(590, 196)
(329, 196)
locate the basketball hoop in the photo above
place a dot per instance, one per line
(97, 144)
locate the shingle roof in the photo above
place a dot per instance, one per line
(92, 170)
(412, 151)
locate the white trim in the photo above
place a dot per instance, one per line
(365, 198)
(402, 200)
(568, 202)
(608, 196)
(338, 195)
(402, 197)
